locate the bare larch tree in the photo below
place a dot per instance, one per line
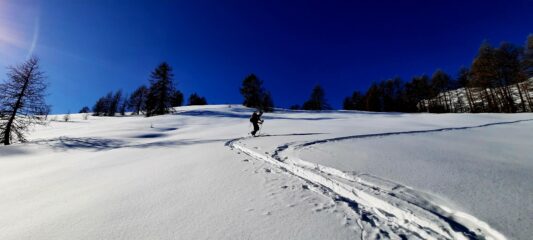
(22, 101)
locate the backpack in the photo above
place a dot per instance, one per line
(253, 118)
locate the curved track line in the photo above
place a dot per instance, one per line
(461, 222)
(435, 221)
(397, 219)
(371, 135)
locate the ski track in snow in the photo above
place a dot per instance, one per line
(408, 132)
(392, 210)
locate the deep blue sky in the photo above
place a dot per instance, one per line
(90, 47)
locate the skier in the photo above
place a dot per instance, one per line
(255, 119)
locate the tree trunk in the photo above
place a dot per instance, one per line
(446, 106)
(9, 124)
(488, 100)
(468, 94)
(450, 102)
(521, 97)
(461, 107)
(496, 102)
(502, 99)
(18, 104)
(528, 95)
(509, 99)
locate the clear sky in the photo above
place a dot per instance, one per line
(88, 48)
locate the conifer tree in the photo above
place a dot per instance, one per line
(22, 101)
(99, 107)
(527, 71)
(137, 100)
(176, 98)
(158, 101)
(484, 76)
(373, 100)
(195, 99)
(464, 81)
(440, 85)
(510, 73)
(317, 100)
(354, 102)
(84, 109)
(255, 96)
(416, 93)
(114, 101)
(527, 61)
(252, 91)
(123, 105)
(391, 94)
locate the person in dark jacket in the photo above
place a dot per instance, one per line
(256, 120)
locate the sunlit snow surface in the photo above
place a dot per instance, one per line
(196, 174)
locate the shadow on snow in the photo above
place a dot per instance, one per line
(103, 144)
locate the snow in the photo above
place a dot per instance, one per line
(196, 174)
(483, 171)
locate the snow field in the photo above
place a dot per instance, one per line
(312, 175)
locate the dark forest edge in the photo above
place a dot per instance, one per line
(499, 80)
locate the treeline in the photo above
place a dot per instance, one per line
(110, 104)
(499, 80)
(159, 98)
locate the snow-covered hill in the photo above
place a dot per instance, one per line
(311, 175)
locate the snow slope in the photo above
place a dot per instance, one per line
(311, 175)
(485, 171)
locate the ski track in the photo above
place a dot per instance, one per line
(391, 209)
(408, 132)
